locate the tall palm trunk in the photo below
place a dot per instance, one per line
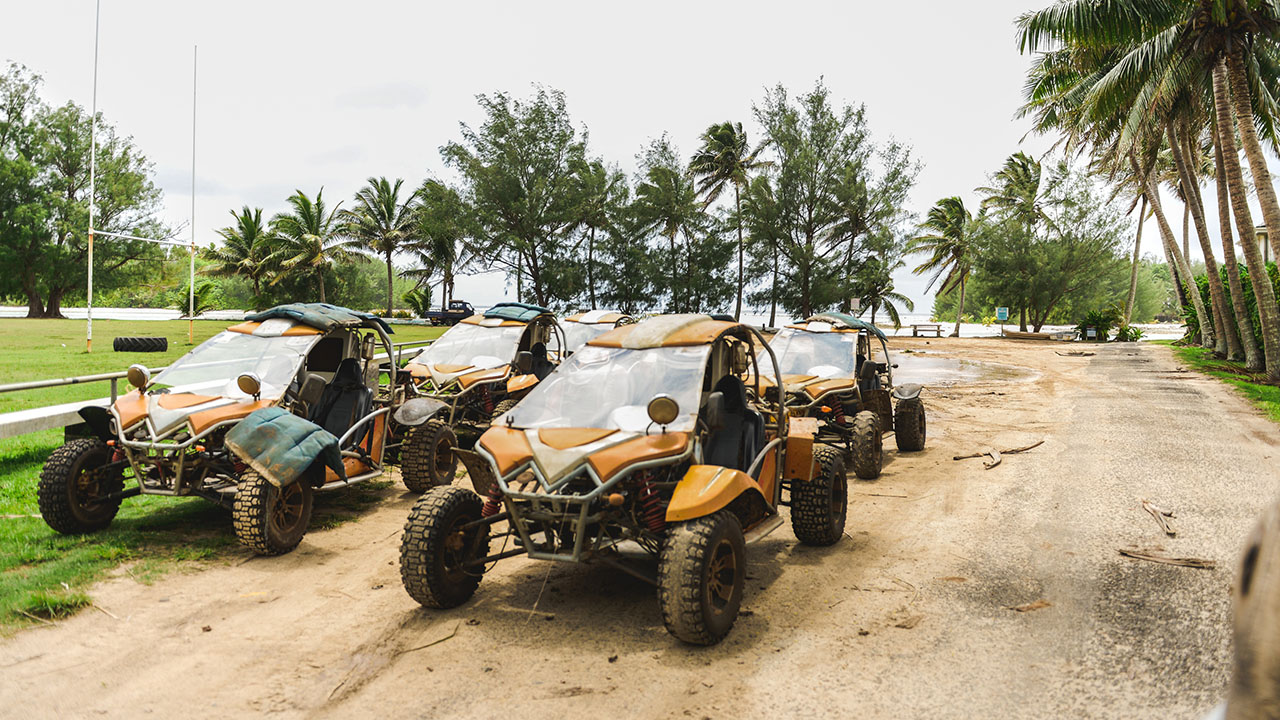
(773, 291)
(591, 276)
(1186, 225)
(1268, 313)
(1176, 257)
(320, 278)
(1224, 341)
(960, 307)
(390, 280)
(1253, 150)
(1133, 271)
(737, 204)
(1239, 306)
(675, 268)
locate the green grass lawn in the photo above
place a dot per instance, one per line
(1252, 385)
(44, 574)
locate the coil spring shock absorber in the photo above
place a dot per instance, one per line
(652, 513)
(493, 502)
(837, 410)
(488, 400)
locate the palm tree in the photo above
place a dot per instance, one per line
(668, 204)
(443, 230)
(382, 223)
(311, 239)
(1222, 48)
(604, 194)
(1252, 358)
(948, 243)
(1019, 191)
(725, 159)
(875, 289)
(247, 250)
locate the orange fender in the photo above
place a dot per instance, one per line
(706, 489)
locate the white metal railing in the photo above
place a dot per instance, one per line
(48, 417)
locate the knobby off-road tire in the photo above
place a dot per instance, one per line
(270, 520)
(426, 456)
(140, 344)
(909, 425)
(868, 445)
(819, 506)
(70, 492)
(433, 547)
(701, 571)
(504, 407)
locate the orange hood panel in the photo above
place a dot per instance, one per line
(609, 461)
(131, 407)
(205, 419)
(565, 438)
(509, 447)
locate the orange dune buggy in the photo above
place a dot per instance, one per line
(645, 445)
(830, 372)
(478, 369)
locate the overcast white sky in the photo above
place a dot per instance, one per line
(309, 94)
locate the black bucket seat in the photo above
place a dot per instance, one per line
(345, 400)
(740, 432)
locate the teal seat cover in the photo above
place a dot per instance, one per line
(281, 445)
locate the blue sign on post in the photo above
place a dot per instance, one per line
(1002, 313)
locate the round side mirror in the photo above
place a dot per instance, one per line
(139, 376)
(663, 409)
(249, 384)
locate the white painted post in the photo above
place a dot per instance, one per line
(93, 172)
(191, 283)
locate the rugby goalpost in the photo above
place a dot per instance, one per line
(93, 196)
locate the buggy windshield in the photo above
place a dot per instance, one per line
(474, 346)
(577, 334)
(213, 366)
(610, 388)
(822, 355)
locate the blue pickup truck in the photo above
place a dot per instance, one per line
(458, 309)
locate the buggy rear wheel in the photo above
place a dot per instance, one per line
(435, 548)
(270, 520)
(428, 457)
(820, 506)
(701, 571)
(868, 445)
(74, 485)
(909, 425)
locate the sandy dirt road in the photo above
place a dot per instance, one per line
(909, 616)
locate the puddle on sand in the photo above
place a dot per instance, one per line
(921, 368)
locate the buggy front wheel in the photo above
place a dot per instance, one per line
(701, 571)
(427, 457)
(271, 520)
(76, 485)
(820, 506)
(436, 547)
(868, 445)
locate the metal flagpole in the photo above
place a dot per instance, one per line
(93, 171)
(191, 287)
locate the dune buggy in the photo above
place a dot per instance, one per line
(580, 328)
(168, 435)
(644, 445)
(830, 372)
(477, 370)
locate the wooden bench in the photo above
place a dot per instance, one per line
(926, 328)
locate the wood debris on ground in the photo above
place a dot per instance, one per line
(1162, 517)
(995, 455)
(1157, 556)
(1029, 607)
